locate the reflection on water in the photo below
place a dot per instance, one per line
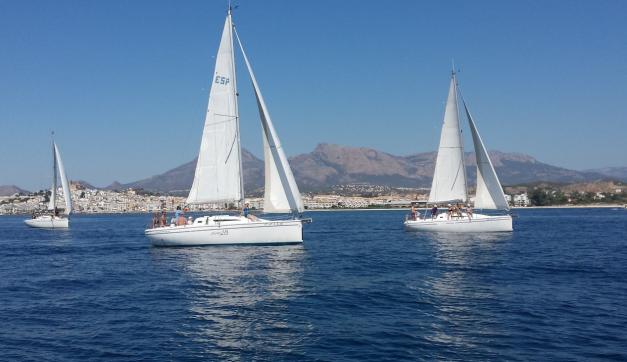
(460, 289)
(238, 295)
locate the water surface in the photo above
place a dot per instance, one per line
(359, 288)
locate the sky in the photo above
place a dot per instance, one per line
(124, 84)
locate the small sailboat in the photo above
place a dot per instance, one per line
(218, 177)
(449, 186)
(53, 219)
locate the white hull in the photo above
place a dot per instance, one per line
(48, 222)
(477, 224)
(228, 230)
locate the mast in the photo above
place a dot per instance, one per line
(53, 192)
(237, 119)
(461, 138)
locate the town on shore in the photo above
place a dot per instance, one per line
(358, 196)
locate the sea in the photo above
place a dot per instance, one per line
(359, 288)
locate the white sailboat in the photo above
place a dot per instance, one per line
(449, 184)
(53, 219)
(218, 177)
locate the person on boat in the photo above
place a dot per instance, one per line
(469, 211)
(177, 213)
(56, 211)
(434, 211)
(412, 215)
(247, 214)
(155, 220)
(449, 212)
(181, 220)
(163, 217)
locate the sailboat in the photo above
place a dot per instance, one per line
(53, 219)
(218, 177)
(449, 186)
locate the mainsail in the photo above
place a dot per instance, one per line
(489, 191)
(281, 192)
(218, 176)
(64, 182)
(449, 178)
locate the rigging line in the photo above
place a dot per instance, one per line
(234, 118)
(456, 176)
(232, 146)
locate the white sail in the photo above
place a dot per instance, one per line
(489, 191)
(64, 181)
(275, 199)
(449, 178)
(53, 190)
(281, 191)
(218, 176)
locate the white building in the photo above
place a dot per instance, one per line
(521, 200)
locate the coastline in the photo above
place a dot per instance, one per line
(587, 206)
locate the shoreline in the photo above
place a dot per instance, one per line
(587, 206)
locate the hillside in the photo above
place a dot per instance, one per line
(329, 165)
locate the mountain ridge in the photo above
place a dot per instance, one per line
(331, 164)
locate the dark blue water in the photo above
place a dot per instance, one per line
(360, 288)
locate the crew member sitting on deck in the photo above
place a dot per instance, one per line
(247, 214)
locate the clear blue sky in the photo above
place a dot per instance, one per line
(124, 83)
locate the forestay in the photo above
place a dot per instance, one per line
(218, 176)
(64, 181)
(489, 191)
(281, 192)
(449, 178)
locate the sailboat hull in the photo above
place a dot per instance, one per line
(228, 231)
(477, 224)
(48, 222)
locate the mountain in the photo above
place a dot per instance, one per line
(179, 179)
(334, 164)
(616, 173)
(329, 165)
(10, 190)
(82, 185)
